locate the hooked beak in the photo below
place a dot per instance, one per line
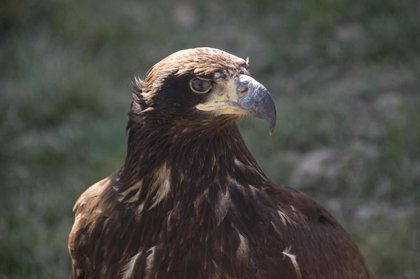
(256, 100)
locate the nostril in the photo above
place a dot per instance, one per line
(243, 89)
(243, 84)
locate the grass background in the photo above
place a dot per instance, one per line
(345, 76)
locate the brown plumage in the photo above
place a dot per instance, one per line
(190, 201)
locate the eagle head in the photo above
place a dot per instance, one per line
(201, 85)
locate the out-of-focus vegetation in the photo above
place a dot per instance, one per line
(345, 75)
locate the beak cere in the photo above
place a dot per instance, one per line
(256, 100)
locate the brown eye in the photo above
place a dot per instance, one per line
(200, 85)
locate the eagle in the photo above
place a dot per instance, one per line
(190, 200)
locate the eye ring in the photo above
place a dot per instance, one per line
(200, 85)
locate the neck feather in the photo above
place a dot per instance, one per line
(168, 162)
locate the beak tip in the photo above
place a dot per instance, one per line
(268, 112)
(272, 124)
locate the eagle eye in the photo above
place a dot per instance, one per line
(200, 85)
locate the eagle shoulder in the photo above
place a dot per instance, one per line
(87, 213)
(313, 241)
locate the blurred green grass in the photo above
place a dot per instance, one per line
(344, 76)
